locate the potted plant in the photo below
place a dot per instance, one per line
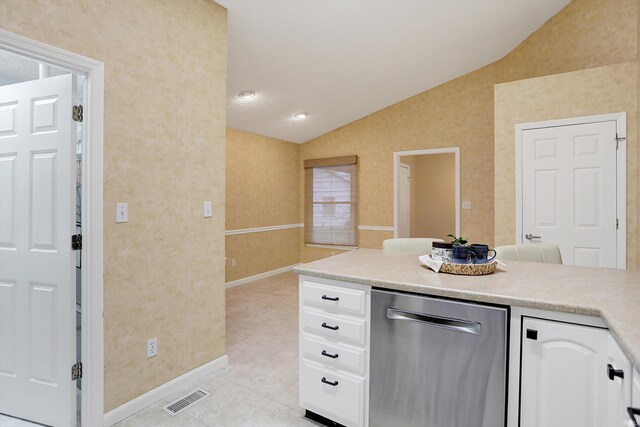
(457, 241)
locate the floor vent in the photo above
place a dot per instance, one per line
(183, 403)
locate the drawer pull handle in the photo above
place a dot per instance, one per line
(612, 373)
(632, 415)
(333, 328)
(330, 298)
(333, 356)
(324, 380)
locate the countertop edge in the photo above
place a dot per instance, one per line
(479, 297)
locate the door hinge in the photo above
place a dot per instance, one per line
(618, 139)
(617, 223)
(76, 371)
(76, 242)
(77, 113)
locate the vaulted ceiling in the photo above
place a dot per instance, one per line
(340, 60)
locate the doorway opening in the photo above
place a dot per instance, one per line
(427, 193)
(51, 197)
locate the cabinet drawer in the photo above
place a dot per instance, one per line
(333, 325)
(334, 297)
(332, 354)
(335, 396)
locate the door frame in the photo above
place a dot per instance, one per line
(403, 165)
(621, 173)
(396, 165)
(92, 200)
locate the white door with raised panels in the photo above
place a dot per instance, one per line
(404, 200)
(569, 191)
(37, 265)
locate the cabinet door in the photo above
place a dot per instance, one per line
(562, 375)
(619, 380)
(635, 393)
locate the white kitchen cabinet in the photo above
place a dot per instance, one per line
(566, 379)
(619, 382)
(635, 392)
(635, 395)
(334, 350)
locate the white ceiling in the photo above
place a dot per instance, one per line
(340, 60)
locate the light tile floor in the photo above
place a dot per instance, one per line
(259, 387)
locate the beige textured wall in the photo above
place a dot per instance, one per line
(164, 140)
(262, 189)
(587, 33)
(435, 186)
(451, 115)
(256, 253)
(601, 90)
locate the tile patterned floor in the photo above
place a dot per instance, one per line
(259, 387)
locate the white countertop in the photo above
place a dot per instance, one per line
(612, 294)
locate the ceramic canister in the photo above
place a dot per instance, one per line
(441, 251)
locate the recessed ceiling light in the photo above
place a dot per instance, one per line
(301, 115)
(246, 94)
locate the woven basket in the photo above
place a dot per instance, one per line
(469, 269)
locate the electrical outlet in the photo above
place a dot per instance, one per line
(466, 204)
(233, 262)
(152, 347)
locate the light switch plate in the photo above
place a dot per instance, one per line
(122, 212)
(207, 209)
(466, 204)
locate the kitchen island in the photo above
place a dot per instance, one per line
(608, 294)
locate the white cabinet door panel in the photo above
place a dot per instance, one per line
(563, 375)
(331, 394)
(335, 355)
(619, 388)
(334, 326)
(635, 393)
(334, 297)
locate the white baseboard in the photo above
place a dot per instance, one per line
(152, 396)
(259, 276)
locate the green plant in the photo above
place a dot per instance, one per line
(457, 240)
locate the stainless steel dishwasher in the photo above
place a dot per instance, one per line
(436, 362)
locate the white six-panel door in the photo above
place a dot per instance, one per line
(37, 265)
(569, 191)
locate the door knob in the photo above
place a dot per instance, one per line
(530, 236)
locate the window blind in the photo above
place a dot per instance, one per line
(331, 201)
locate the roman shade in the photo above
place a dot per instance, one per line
(331, 201)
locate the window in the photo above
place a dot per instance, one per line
(331, 201)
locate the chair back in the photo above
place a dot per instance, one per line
(417, 245)
(549, 254)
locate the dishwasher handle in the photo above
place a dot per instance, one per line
(431, 320)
